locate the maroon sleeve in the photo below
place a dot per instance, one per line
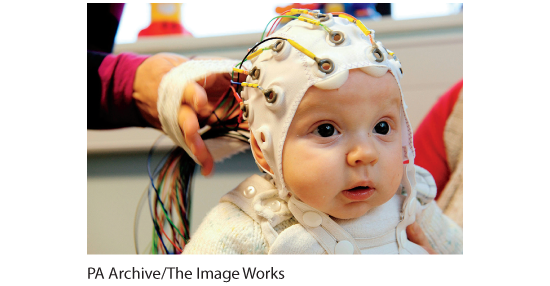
(428, 138)
(117, 105)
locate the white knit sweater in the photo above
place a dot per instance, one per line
(233, 227)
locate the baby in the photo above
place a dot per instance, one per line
(329, 128)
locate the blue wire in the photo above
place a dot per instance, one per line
(157, 229)
(150, 155)
(151, 177)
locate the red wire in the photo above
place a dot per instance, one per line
(162, 229)
(236, 95)
(221, 98)
(239, 99)
(276, 23)
(272, 29)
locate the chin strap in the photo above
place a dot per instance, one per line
(332, 237)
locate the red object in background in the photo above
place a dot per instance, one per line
(165, 20)
(428, 138)
(164, 28)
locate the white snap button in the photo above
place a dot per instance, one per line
(312, 219)
(343, 247)
(274, 205)
(249, 192)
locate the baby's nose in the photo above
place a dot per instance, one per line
(362, 154)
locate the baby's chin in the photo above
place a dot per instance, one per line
(350, 210)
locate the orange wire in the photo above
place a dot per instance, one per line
(272, 26)
(276, 23)
(162, 229)
(239, 99)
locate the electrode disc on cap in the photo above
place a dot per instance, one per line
(244, 108)
(378, 56)
(254, 73)
(278, 46)
(324, 17)
(270, 95)
(336, 37)
(326, 65)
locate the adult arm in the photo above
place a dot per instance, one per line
(110, 90)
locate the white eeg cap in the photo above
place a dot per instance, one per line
(289, 73)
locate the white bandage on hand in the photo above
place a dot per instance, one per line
(171, 89)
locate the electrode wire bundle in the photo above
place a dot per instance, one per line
(146, 192)
(287, 14)
(169, 191)
(169, 201)
(170, 210)
(228, 118)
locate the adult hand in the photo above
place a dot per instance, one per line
(416, 235)
(195, 106)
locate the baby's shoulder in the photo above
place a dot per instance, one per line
(227, 229)
(259, 199)
(245, 221)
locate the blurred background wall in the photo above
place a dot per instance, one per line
(429, 48)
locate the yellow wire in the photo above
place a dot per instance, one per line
(362, 27)
(249, 84)
(240, 71)
(347, 17)
(255, 54)
(359, 24)
(308, 20)
(298, 11)
(302, 49)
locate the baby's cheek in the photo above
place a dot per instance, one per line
(397, 170)
(398, 177)
(311, 180)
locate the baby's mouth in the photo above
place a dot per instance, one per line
(360, 188)
(359, 193)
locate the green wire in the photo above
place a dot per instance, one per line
(154, 249)
(226, 109)
(161, 184)
(272, 21)
(324, 27)
(169, 220)
(182, 217)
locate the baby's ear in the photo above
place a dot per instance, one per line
(258, 155)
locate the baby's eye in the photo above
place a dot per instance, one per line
(325, 130)
(382, 128)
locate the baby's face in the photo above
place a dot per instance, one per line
(342, 153)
